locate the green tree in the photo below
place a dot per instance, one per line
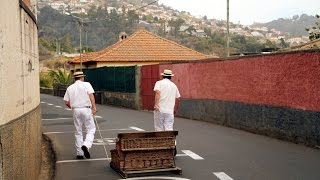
(283, 44)
(190, 29)
(149, 18)
(132, 19)
(66, 44)
(175, 25)
(270, 44)
(314, 32)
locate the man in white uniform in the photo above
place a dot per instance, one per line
(79, 97)
(166, 102)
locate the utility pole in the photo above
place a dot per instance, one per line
(80, 27)
(228, 38)
(86, 30)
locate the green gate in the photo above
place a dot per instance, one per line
(115, 79)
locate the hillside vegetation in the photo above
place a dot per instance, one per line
(61, 31)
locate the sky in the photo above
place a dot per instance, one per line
(246, 11)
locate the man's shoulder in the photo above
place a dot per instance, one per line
(70, 86)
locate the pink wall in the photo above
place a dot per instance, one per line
(291, 80)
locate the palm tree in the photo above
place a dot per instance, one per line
(60, 77)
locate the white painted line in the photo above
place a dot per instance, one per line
(104, 141)
(136, 128)
(58, 106)
(157, 177)
(67, 132)
(82, 160)
(192, 155)
(56, 119)
(180, 155)
(98, 140)
(222, 176)
(42, 102)
(98, 117)
(67, 109)
(50, 104)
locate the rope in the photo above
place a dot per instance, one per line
(104, 147)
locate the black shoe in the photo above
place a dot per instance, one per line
(79, 157)
(86, 152)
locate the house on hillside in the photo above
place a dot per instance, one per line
(141, 48)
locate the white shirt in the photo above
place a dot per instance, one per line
(78, 94)
(168, 94)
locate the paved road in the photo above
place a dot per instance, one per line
(205, 151)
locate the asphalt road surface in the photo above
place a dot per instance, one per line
(206, 151)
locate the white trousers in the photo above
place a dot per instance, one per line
(83, 116)
(163, 121)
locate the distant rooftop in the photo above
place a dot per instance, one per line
(144, 46)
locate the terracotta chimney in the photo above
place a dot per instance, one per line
(122, 36)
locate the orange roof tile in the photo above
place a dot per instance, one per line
(144, 46)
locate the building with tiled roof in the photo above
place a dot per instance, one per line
(141, 48)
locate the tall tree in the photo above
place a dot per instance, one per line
(314, 32)
(190, 30)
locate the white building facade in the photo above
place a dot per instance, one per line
(20, 117)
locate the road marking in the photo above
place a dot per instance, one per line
(192, 155)
(82, 160)
(67, 132)
(222, 176)
(157, 177)
(50, 104)
(56, 119)
(180, 155)
(98, 116)
(136, 128)
(67, 109)
(111, 140)
(58, 106)
(42, 102)
(104, 141)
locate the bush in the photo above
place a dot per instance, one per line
(61, 76)
(46, 80)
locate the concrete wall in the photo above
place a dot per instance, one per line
(285, 79)
(20, 147)
(127, 100)
(44, 90)
(19, 65)
(275, 95)
(20, 121)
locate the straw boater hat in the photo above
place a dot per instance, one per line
(78, 74)
(167, 72)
